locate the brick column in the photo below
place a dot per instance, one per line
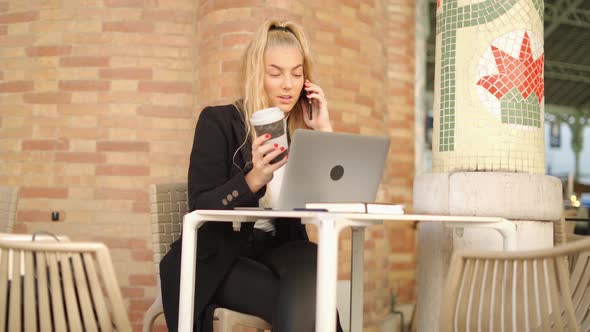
(99, 99)
(363, 61)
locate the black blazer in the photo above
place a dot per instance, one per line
(216, 180)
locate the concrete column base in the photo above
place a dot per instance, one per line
(531, 201)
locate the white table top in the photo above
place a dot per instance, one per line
(254, 213)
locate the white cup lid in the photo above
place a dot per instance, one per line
(267, 115)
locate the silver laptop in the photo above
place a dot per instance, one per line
(332, 167)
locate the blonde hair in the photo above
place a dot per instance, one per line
(252, 95)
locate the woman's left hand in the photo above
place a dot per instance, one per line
(316, 99)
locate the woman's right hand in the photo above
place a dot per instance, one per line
(262, 170)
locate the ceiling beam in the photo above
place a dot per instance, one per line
(558, 13)
(566, 110)
(579, 17)
(567, 71)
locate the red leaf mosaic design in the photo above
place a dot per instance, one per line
(523, 73)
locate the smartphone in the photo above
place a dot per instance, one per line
(303, 96)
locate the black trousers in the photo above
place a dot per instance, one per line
(276, 283)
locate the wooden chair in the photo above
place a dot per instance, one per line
(579, 269)
(168, 205)
(59, 286)
(8, 202)
(580, 284)
(513, 291)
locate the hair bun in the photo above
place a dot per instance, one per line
(279, 28)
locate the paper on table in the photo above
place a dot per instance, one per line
(376, 208)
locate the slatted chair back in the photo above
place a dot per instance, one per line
(579, 268)
(168, 204)
(8, 202)
(59, 286)
(511, 291)
(580, 284)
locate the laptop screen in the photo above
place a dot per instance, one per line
(332, 168)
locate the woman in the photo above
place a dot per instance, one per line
(267, 269)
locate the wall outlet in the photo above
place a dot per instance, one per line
(54, 215)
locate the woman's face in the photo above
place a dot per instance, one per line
(283, 77)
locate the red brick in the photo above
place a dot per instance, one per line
(173, 16)
(84, 85)
(403, 241)
(121, 243)
(323, 26)
(162, 328)
(131, 73)
(166, 87)
(112, 121)
(3, 29)
(19, 17)
(378, 233)
(137, 317)
(122, 170)
(20, 228)
(140, 305)
(367, 101)
(237, 3)
(16, 86)
(132, 292)
(80, 157)
(142, 280)
(120, 194)
(164, 111)
(45, 144)
(142, 256)
(230, 40)
(347, 85)
(42, 192)
(38, 51)
(122, 146)
(228, 27)
(398, 266)
(141, 207)
(3, 6)
(364, 18)
(130, 3)
(128, 26)
(137, 243)
(37, 216)
(48, 98)
(350, 3)
(346, 128)
(230, 66)
(84, 61)
(121, 97)
(84, 133)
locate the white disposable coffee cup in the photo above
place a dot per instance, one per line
(271, 121)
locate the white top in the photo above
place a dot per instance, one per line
(274, 186)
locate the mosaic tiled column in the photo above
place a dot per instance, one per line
(488, 107)
(488, 147)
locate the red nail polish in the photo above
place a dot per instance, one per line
(267, 135)
(276, 145)
(282, 149)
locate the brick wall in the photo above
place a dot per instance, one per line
(98, 99)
